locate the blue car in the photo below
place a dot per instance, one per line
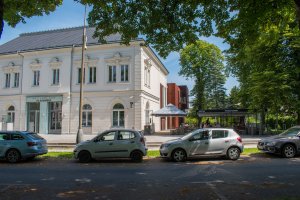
(17, 145)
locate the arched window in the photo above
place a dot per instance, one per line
(118, 115)
(87, 115)
(11, 114)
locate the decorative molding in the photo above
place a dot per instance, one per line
(117, 59)
(148, 63)
(35, 64)
(55, 62)
(11, 68)
(88, 61)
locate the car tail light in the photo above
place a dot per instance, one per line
(239, 139)
(31, 144)
(143, 141)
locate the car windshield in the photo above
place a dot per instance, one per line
(190, 134)
(291, 132)
(34, 136)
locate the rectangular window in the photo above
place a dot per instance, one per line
(112, 73)
(55, 76)
(79, 75)
(7, 80)
(92, 75)
(36, 78)
(219, 134)
(16, 80)
(124, 73)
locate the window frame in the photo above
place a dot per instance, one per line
(55, 76)
(112, 73)
(92, 75)
(85, 116)
(124, 73)
(36, 77)
(16, 79)
(7, 80)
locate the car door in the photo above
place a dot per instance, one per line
(4, 143)
(219, 141)
(104, 145)
(125, 143)
(198, 143)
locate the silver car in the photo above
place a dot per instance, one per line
(204, 142)
(17, 145)
(286, 144)
(115, 143)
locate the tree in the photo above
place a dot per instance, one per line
(264, 54)
(13, 12)
(166, 24)
(203, 62)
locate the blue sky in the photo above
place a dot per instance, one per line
(70, 14)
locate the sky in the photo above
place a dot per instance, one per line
(71, 13)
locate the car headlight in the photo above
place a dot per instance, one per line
(270, 143)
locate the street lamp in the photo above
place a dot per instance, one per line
(80, 131)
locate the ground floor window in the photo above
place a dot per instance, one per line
(11, 114)
(55, 115)
(118, 115)
(87, 115)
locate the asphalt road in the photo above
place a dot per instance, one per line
(255, 177)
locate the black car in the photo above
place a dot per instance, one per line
(286, 144)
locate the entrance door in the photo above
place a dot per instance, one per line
(34, 121)
(55, 117)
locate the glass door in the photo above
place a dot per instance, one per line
(34, 121)
(34, 117)
(55, 117)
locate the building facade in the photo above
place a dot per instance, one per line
(40, 83)
(178, 96)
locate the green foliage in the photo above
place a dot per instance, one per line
(167, 25)
(14, 11)
(203, 62)
(193, 121)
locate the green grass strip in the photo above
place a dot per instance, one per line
(151, 153)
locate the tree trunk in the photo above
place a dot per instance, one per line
(297, 2)
(262, 122)
(1, 16)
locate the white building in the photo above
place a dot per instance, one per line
(39, 83)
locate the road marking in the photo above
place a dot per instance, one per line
(214, 189)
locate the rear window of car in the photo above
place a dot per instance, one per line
(125, 135)
(4, 136)
(219, 134)
(34, 136)
(16, 136)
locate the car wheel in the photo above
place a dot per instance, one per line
(13, 156)
(136, 156)
(288, 151)
(179, 155)
(84, 157)
(233, 153)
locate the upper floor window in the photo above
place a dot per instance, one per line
(7, 80)
(79, 75)
(36, 78)
(147, 64)
(16, 79)
(112, 73)
(124, 73)
(92, 75)
(55, 76)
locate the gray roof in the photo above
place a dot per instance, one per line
(169, 110)
(59, 38)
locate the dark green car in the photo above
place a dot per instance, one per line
(286, 144)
